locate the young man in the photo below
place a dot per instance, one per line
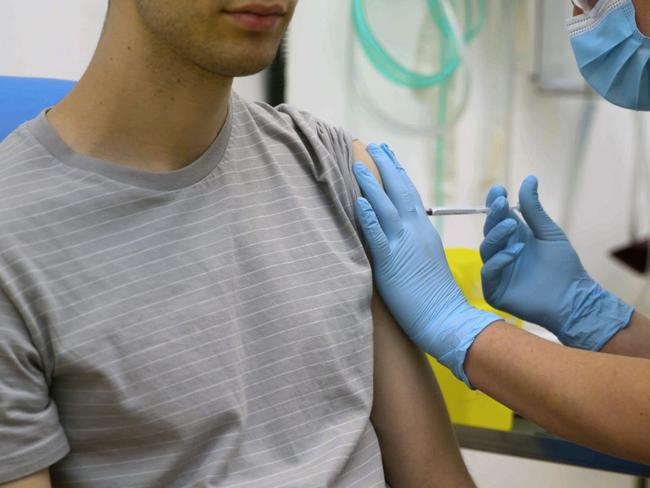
(184, 298)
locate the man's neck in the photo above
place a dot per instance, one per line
(141, 105)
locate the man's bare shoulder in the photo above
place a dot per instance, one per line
(36, 480)
(360, 152)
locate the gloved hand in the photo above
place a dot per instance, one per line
(532, 271)
(409, 265)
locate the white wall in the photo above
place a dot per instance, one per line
(544, 128)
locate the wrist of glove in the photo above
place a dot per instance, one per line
(595, 316)
(449, 343)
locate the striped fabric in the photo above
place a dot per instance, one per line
(206, 327)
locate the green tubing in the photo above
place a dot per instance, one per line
(391, 68)
(472, 29)
(450, 58)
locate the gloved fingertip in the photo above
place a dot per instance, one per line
(362, 168)
(375, 148)
(363, 204)
(509, 223)
(541, 224)
(516, 249)
(528, 190)
(365, 213)
(502, 230)
(499, 203)
(362, 208)
(498, 190)
(495, 192)
(389, 152)
(531, 180)
(492, 270)
(386, 148)
(497, 212)
(497, 238)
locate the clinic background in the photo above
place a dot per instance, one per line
(516, 106)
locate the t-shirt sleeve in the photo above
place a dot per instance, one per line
(329, 147)
(339, 143)
(336, 143)
(31, 437)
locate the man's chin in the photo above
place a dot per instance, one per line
(237, 70)
(248, 71)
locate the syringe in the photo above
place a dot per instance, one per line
(462, 210)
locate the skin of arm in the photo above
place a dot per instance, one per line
(596, 399)
(418, 445)
(633, 340)
(36, 480)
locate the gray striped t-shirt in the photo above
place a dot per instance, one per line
(206, 327)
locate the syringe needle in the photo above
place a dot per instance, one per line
(462, 210)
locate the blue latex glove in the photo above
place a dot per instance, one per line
(409, 265)
(532, 271)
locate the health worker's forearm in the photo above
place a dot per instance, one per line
(598, 400)
(633, 340)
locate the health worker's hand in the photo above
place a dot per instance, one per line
(409, 265)
(531, 271)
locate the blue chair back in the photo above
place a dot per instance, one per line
(22, 99)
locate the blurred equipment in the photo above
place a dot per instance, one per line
(635, 253)
(503, 50)
(391, 68)
(576, 162)
(429, 62)
(554, 66)
(427, 70)
(555, 73)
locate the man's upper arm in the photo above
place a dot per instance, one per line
(409, 415)
(31, 436)
(36, 480)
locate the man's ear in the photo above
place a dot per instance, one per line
(360, 153)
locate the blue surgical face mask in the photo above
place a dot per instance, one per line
(612, 54)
